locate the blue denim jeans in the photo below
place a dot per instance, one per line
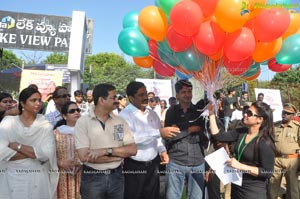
(102, 185)
(177, 174)
(226, 122)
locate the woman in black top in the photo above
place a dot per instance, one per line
(254, 149)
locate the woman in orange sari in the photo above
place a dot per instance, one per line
(67, 158)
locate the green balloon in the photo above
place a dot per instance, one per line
(252, 70)
(190, 59)
(290, 50)
(131, 19)
(132, 42)
(166, 54)
(167, 5)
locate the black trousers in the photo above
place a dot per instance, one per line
(141, 179)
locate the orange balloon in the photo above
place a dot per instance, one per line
(253, 77)
(217, 55)
(153, 23)
(209, 70)
(144, 62)
(198, 75)
(294, 24)
(266, 50)
(232, 14)
(298, 32)
(256, 6)
(183, 70)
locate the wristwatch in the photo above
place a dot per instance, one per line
(19, 147)
(109, 151)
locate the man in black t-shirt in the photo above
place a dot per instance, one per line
(228, 108)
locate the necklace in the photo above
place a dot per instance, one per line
(240, 151)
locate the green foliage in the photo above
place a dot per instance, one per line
(288, 83)
(290, 76)
(56, 58)
(105, 68)
(9, 60)
(112, 68)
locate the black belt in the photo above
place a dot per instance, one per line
(90, 170)
(143, 163)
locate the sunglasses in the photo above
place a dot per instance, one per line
(286, 113)
(71, 111)
(249, 113)
(63, 96)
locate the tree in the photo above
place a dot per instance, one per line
(105, 67)
(288, 83)
(112, 68)
(9, 60)
(56, 58)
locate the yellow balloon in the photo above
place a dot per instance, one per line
(266, 50)
(232, 14)
(294, 24)
(153, 23)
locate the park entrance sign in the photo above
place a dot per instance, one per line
(35, 32)
(50, 33)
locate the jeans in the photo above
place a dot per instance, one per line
(175, 178)
(226, 122)
(101, 185)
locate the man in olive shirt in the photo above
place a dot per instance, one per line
(184, 149)
(287, 154)
(103, 140)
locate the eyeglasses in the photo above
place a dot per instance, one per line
(286, 113)
(249, 113)
(71, 111)
(63, 96)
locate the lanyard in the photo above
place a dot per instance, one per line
(240, 152)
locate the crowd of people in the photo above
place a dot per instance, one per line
(102, 144)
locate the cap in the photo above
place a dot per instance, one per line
(290, 108)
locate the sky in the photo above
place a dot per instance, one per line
(107, 15)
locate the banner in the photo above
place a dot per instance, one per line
(45, 80)
(160, 87)
(273, 98)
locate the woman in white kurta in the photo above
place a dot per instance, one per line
(27, 152)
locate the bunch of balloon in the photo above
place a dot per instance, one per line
(177, 37)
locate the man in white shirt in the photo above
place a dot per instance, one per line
(141, 170)
(60, 97)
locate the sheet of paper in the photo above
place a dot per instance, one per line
(226, 174)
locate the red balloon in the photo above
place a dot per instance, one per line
(153, 49)
(176, 41)
(210, 38)
(163, 69)
(207, 7)
(239, 45)
(237, 68)
(271, 24)
(276, 67)
(186, 17)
